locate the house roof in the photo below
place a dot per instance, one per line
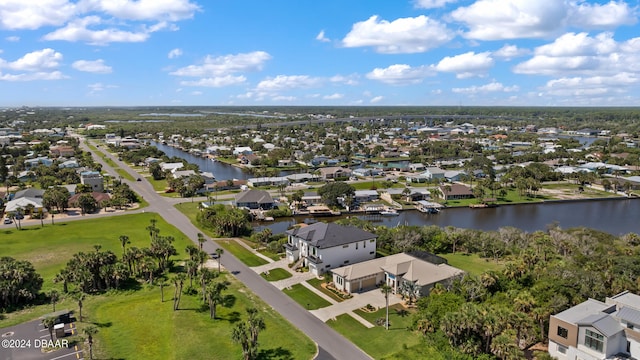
(98, 196)
(629, 315)
(625, 298)
(326, 235)
(23, 202)
(604, 323)
(254, 196)
(409, 267)
(580, 311)
(456, 189)
(334, 170)
(29, 193)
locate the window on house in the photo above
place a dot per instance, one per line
(370, 252)
(346, 261)
(372, 240)
(593, 340)
(364, 244)
(562, 349)
(562, 332)
(328, 266)
(345, 246)
(356, 246)
(630, 326)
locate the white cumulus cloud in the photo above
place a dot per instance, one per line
(335, 96)
(432, 4)
(515, 19)
(487, 88)
(21, 14)
(160, 10)
(376, 99)
(509, 52)
(321, 37)
(174, 53)
(215, 66)
(78, 30)
(466, 65)
(38, 60)
(216, 81)
(288, 82)
(92, 66)
(401, 74)
(401, 36)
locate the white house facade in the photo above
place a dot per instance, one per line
(323, 246)
(595, 330)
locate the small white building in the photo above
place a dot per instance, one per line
(324, 246)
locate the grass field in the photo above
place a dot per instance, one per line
(306, 298)
(378, 342)
(276, 274)
(135, 324)
(49, 248)
(140, 326)
(242, 253)
(473, 264)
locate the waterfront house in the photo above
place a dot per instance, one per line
(400, 271)
(330, 173)
(361, 196)
(268, 181)
(171, 166)
(455, 192)
(31, 163)
(324, 246)
(254, 199)
(299, 178)
(242, 150)
(597, 330)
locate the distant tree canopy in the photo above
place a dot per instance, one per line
(19, 283)
(332, 191)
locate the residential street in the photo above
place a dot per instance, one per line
(330, 343)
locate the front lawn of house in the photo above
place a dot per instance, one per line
(306, 298)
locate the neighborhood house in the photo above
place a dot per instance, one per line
(323, 246)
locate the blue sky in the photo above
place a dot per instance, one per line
(333, 52)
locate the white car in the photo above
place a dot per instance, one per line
(7, 221)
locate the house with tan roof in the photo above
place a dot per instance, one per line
(397, 271)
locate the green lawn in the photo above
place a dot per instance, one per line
(276, 274)
(242, 253)
(473, 264)
(140, 326)
(378, 342)
(306, 297)
(49, 248)
(317, 283)
(135, 324)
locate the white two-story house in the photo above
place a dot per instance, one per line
(595, 330)
(323, 246)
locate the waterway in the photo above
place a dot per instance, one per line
(220, 170)
(616, 217)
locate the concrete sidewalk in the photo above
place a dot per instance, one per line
(373, 297)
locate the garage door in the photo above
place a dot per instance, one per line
(367, 284)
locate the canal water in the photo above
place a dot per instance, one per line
(220, 170)
(616, 217)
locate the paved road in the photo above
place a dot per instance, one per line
(331, 344)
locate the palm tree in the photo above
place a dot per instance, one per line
(219, 252)
(215, 297)
(201, 240)
(89, 331)
(162, 284)
(256, 324)
(55, 297)
(178, 282)
(206, 275)
(49, 322)
(386, 290)
(124, 240)
(79, 297)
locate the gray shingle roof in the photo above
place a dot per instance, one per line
(323, 235)
(254, 196)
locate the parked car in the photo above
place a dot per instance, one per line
(7, 221)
